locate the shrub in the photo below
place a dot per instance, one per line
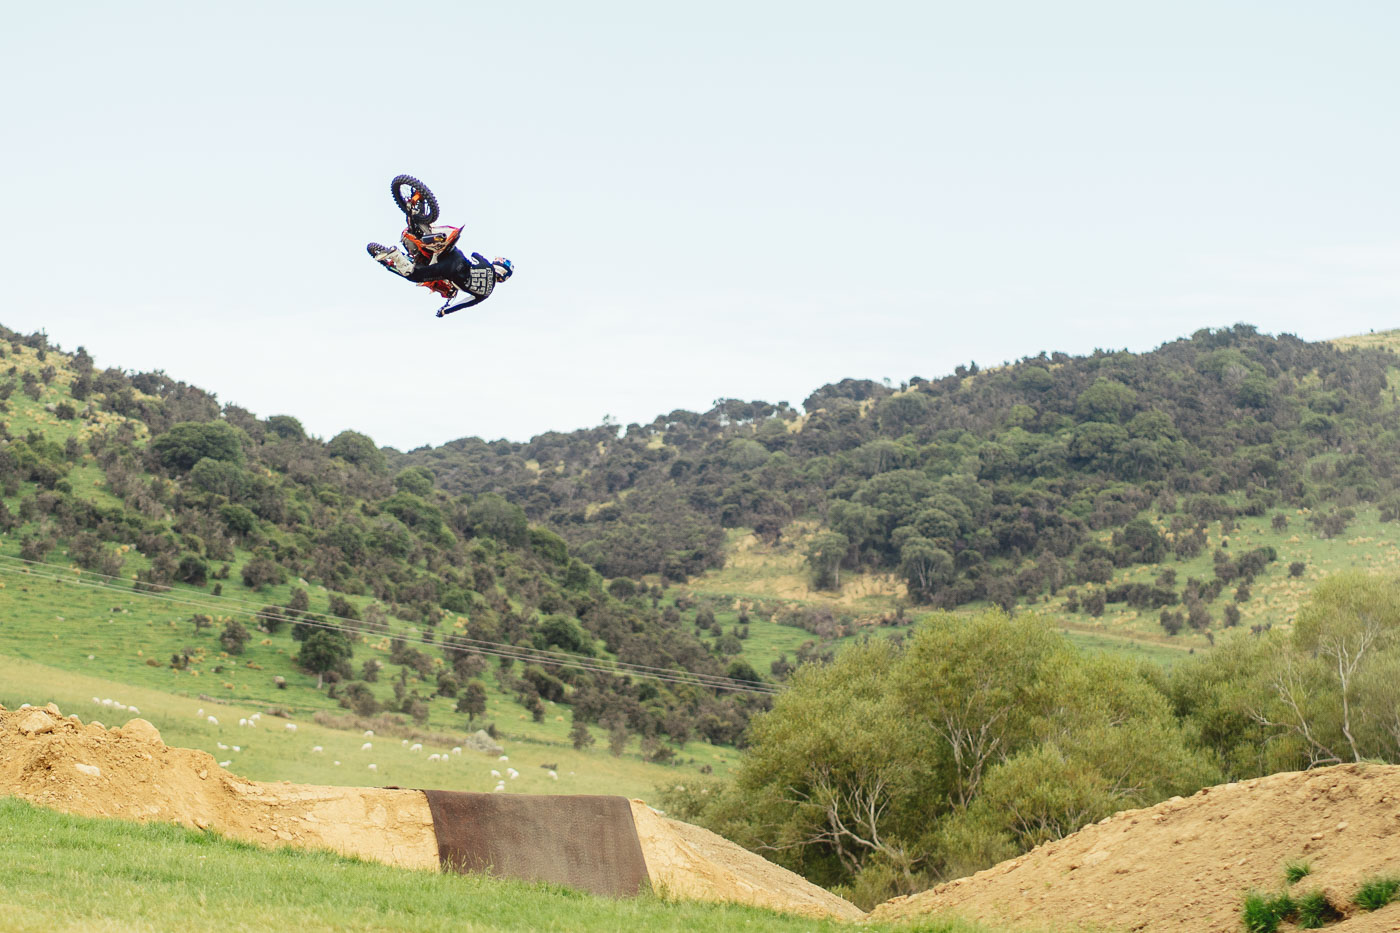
(1375, 893)
(192, 570)
(259, 572)
(360, 698)
(1296, 568)
(1296, 871)
(234, 636)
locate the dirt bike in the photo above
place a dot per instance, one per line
(421, 240)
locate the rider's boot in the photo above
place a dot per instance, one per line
(390, 258)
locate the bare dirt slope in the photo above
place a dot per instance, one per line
(1185, 864)
(686, 862)
(129, 772)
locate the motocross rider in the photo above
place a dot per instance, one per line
(437, 263)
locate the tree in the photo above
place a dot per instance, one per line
(220, 477)
(924, 567)
(617, 737)
(359, 449)
(238, 520)
(472, 700)
(416, 480)
(259, 572)
(579, 734)
(192, 570)
(825, 552)
(984, 737)
(360, 698)
(189, 442)
(324, 651)
(234, 636)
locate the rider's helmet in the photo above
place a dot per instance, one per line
(504, 268)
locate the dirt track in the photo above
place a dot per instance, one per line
(1184, 864)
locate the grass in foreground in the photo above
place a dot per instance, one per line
(112, 874)
(1296, 871)
(1375, 893)
(1262, 913)
(1315, 911)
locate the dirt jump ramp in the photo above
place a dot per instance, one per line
(607, 845)
(584, 842)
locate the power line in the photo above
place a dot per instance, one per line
(329, 622)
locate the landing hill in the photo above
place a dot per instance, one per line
(1188, 864)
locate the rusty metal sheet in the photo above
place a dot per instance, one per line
(585, 842)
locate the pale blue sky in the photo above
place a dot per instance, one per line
(727, 199)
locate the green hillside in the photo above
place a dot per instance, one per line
(150, 537)
(1147, 500)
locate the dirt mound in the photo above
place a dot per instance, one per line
(129, 772)
(686, 862)
(1185, 864)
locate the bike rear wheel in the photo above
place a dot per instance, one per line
(414, 199)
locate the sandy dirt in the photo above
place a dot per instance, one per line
(1184, 864)
(129, 772)
(686, 862)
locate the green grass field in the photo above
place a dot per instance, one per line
(110, 875)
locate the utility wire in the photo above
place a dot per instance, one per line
(329, 622)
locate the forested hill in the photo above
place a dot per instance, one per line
(150, 483)
(998, 484)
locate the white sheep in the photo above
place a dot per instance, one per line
(25, 706)
(238, 748)
(498, 788)
(316, 749)
(513, 773)
(552, 775)
(199, 712)
(374, 767)
(212, 720)
(457, 750)
(434, 756)
(367, 746)
(242, 722)
(495, 774)
(225, 764)
(335, 763)
(222, 746)
(133, 709)
(505, 758)
(106, 702)
(369, 733)
(416, 747)
(97, 701)
(255, 717)
(404, 742)
(291, 727)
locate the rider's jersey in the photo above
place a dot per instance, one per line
(478, 278)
